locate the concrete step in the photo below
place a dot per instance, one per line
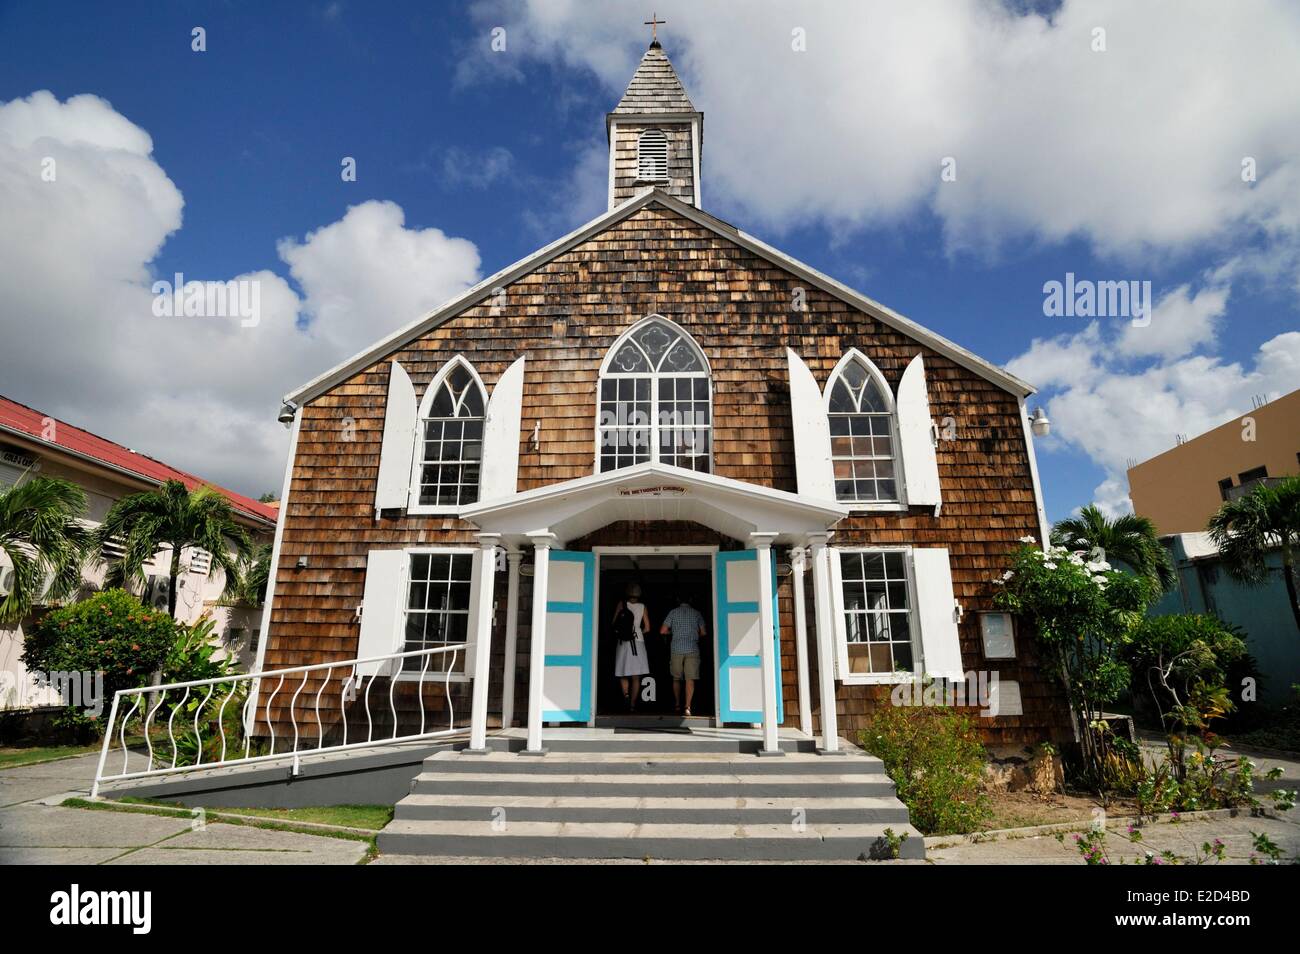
(697, 795)
(676, 786)
(639, 763)
(649, 742)
(683, 842)
(669, 810)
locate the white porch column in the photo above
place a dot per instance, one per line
(483, 641)
(513, 559)
(798, 560)
(825, 639)
(762, 543)
(542, 543)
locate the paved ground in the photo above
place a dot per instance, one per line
(33, 832)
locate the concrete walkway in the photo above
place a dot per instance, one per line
(34, 829)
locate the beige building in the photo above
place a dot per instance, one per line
(32, 443)
(1180, 489)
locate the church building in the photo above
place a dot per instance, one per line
(657, 400)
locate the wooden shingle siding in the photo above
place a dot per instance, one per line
(681, 164)
(738, 308)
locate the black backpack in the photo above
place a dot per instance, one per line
(624, 631)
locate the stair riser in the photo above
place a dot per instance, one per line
(658, 816)
(748, 790)
(469, 764)
(669, 849)
(741, 746)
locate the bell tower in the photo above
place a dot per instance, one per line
(655, 134)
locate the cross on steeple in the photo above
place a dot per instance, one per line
(654, 23)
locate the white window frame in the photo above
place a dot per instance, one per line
(437, 667)
(417, 458)
(640, 155)
(841, 621)
(899, 504)
(654, 377)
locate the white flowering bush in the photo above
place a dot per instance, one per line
(1084, 612)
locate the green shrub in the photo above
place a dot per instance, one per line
(937, 762)
(111, 632)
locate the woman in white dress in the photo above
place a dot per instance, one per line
(630, 659)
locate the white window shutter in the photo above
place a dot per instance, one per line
(839, 626)
(468, 654)
(916, 437)
(936, 613)
(812, 432)
(499, 475)
(393, 489)
(382, 616)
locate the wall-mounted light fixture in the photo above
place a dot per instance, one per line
(287, 413)
(1039, 423)
(302, 563)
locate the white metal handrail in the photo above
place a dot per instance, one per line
(148, 700)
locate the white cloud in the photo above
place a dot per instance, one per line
(81, 341)
(1118, 416)
(478, 170)
(1136, 148)
(1180, 323)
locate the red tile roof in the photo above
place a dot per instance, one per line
(30, 423)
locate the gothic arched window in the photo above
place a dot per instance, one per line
(863, 445)
(652, 156)
(449, 443)
(656, 399)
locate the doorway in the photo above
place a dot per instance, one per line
(663, 578)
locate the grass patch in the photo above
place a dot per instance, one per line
(369, 817)
(218, 816)
(14, 756)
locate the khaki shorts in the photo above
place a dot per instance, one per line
(684, 665)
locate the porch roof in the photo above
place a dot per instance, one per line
(653, 491)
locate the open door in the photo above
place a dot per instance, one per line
(740, 672)
(570, 639)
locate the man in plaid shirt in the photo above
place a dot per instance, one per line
(686, 626)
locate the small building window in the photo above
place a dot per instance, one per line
(861, 413)
(877, 611)
(437, 606)
(652, 156)
(450, 450)
(1225, 488)
(1255, 473)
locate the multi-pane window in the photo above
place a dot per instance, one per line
(655, 400)
(652, 156)
(437, 606)
(452, 441)
(877, 611)
(862, 437)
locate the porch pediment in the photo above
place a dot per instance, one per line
(574, 508)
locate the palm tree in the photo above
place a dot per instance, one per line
(247, 587)
(1247, 529)
(1129, 539)
(44, 540)
(144, 524)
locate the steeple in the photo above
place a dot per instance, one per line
(655, 134)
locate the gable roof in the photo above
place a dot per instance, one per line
(655, 87)
(359, 362)
(30, 424)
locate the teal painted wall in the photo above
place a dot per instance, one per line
(1261, 612)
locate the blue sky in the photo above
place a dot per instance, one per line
(505, 151)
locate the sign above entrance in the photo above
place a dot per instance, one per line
(652, 491)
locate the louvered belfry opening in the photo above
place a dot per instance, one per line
(652, 156)
(655, 134)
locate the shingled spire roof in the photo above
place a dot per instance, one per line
(655, 87)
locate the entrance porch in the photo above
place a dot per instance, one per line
(568, 612)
